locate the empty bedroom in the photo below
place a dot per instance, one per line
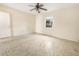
(39, 29)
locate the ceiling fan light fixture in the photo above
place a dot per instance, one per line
(38, 7)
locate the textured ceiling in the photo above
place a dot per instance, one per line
(50, 6)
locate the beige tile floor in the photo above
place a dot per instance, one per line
(38, 45)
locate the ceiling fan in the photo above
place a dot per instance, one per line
(38, 7)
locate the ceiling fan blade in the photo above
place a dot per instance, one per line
(43, 9)
(41, 5)
(33, 9)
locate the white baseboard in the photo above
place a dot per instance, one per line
(55, 37)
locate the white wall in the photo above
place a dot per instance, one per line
(39, 20)
(66, 23)
(21, 22)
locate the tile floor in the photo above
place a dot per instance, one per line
(38, 45)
